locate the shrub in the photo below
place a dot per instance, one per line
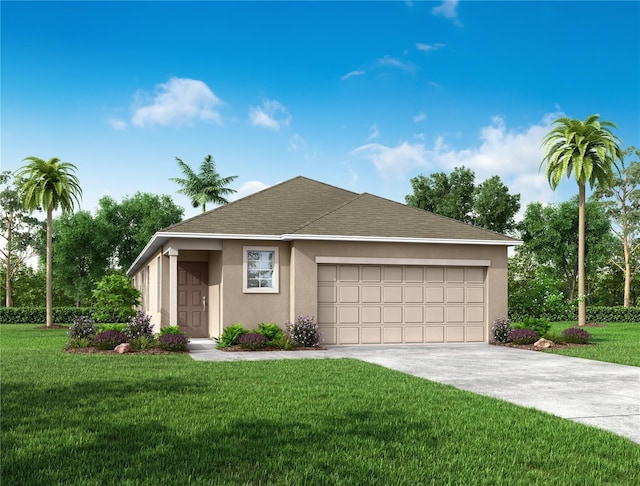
(252, 340)
(523, 336)
(269, 330)
(78, 342)
(173, 342)
(143, 342)
(553, 336)
(304, 331)
(537, 324)
(500, 331)
(230, 336)
(576, 335)
(139, 326)
(115, 297)
(171, 330)
(82, 328)
(113, 327)
(282, 342)
(108, 339)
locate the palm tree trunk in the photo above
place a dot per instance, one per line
(582, 302)
(49, 266)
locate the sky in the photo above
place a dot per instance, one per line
(360, 95)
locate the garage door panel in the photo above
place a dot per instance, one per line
(349, 335)
(413, 334)
(373, 304)
(434, 334)
(371, 315)
(392, 314)
(349, 294)
(414, 314)
(371, 335)
(392, 335)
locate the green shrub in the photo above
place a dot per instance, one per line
(113, 327)
(281, 342)
(115, 297)
(78, 342)
(38, 315)
(143, 342)
(553, 336)
(269, 330)
(537, 324)
(230, 336)
(170, 330)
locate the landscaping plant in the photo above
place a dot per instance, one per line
(576, 335)
(173, 342)
(107, 340)
(523, 336)
(537, 324)
(304, 331)
(501, 329)
(139, 326)
(269, 330)
(253, 340)
(170, 330)
(230, 336)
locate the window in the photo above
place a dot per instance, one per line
(260, 268)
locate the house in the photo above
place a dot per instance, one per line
(371, 270)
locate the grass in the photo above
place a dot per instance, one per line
(616, 343)
(166, 419)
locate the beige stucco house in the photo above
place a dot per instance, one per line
(371, 270)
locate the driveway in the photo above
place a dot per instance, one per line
(603, 395)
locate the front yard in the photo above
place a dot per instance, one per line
(166, 419)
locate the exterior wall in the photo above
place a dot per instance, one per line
(146, 280)
(304, 274)
(251, 309)
(215, 293)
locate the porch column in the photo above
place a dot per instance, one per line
(173, 286)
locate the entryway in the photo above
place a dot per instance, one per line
(193, 306)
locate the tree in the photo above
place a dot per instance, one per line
(621, 201)
(494, 208)
(115, 297)
(49, 185)
(449, 195)
(81, 253)
(129, 225)
(18, 230)
(456, 196)
(549, 236)
(206, 186)
(589, 150)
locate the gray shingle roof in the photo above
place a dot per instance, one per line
(306, 207)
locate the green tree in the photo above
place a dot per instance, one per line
(587, 149)
(549, 236)
(49, 185)
(81, 254)
(130, 224)
(18, 232)
(456, 196)
(28, 286)
(494, 208)
(449, 195)
(621, 201)
(205, 186)
(114, 298)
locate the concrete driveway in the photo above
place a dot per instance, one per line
(603, 395)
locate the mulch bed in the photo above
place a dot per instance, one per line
(531, 347)
(92, 350)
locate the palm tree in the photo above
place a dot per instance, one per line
(207, 186)
(49, 185)
(589, 150)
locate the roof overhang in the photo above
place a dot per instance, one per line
(160, 239)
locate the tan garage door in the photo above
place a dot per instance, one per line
(386, 304)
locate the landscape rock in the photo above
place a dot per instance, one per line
(543, 343)
(123, 348)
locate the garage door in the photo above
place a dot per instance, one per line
(388, 304)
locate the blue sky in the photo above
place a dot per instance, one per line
(362, 95)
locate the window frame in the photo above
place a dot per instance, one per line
(275, 276)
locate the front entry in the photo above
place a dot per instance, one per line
(193, 305)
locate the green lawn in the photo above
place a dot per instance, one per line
(615, 343)
(166, 419)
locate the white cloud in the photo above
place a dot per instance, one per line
(375, 132)
(351, 74)
(117, 123)
(388, 61)
(448, 9)
(297, 143)
(393, 162)
(429, 47)
(179, 101)
(272, 114)
(248, 188)
(419, 117)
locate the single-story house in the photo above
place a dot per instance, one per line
(371, 270)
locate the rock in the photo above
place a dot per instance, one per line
(543, 343)
(123, 348)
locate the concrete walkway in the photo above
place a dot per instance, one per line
(603, 395)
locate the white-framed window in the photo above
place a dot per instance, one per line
(260, 270)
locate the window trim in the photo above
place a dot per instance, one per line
(275, 288)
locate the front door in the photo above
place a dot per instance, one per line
(193, 291)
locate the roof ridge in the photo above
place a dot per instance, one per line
(339, 206)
